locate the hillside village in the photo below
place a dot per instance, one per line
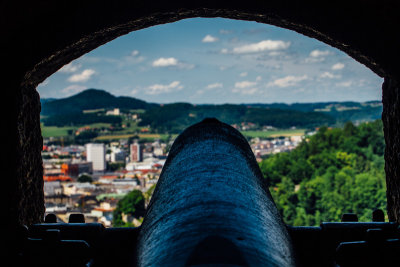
(98, 147)
(112, 170)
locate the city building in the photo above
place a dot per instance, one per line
(136, 152)
(117, 155)
(96, 153)
(114, 112)
(76, 168)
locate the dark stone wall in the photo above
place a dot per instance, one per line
(29, 185)
(391, 123)
(39, 37)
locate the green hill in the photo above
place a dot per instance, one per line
(175, 117)
(91, 99)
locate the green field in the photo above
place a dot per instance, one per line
(277, 133)
(126, 136)
(53, 131)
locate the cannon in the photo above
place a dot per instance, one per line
(211, 207)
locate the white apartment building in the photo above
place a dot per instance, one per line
(96, 153)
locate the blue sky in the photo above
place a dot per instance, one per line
(217, 61)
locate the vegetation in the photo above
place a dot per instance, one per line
(91, 99)
(54, 131)
(333, 172)
(90, 106)
(273, 134)
(71, 119)
(132, 205)
(85, 179)
(173, 118)
(114, 166)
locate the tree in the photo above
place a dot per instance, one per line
(149, 193)
(336, 171)
(84, 178)
(132, 204)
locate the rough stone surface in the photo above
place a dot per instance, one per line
(30, 205)
(211, 191)
(391, 124)
(41, 36)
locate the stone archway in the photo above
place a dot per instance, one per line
(42, 36)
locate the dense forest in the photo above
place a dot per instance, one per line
(73, 119)
(335, 171)
(174, 118)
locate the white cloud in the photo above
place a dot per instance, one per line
(338, 66)
(134, 53)
(275, 53)
(317, 56)
(345, 84)
(156, 89)
(245, 84)
(288, 81)
(314, 59)
(329, 75)
(82, 77)
(73, 89)
(266, 45)
(214, 86)
(247, 87)
(171, 62)
(129, 60)
(209, 39)
(165, 62)
(243, 74)
(70, 68)
(246, 91)
(319, 53)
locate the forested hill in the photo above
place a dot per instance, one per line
(341, 111)
(175, 117)
(91, 99)
(335, 171)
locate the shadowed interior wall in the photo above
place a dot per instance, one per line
(391, 124)
(39, 37)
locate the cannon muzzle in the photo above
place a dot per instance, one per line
(211, 206)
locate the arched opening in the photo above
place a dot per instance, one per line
(50, 54)
(253, 67)
(43, 37)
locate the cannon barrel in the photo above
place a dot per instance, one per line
(212, 206)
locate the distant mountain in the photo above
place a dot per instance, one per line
(91, 99)
(319, 106)
(175, 117)
(341, 111)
